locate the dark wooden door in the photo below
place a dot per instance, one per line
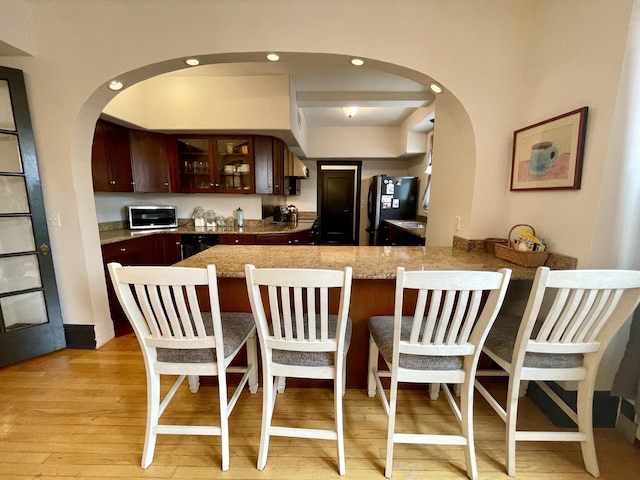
(30, 317)
(337, 207)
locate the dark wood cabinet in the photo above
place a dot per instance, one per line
(149, 161)
(237, 239)
(297, 238)
(270, 153)
(162, 249)
(213, 164)
(139, 251)
(131, 160)
(168, 248)
(111, 158)
(263, 148)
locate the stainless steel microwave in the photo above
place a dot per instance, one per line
(146, 216)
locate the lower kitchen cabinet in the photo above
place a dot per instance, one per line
(162, 249)
(237, 239)
(168, 248)
(297, 238)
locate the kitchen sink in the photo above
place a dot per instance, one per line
(411, 224)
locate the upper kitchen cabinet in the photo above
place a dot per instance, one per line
(235, 164)
(194, 166)
(269, 165)
(111, 158)
(149, 161)
(214, 164)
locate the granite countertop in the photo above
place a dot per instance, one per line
(376, 263)
(120, 234)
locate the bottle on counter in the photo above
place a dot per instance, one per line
(239, 217)
(293, 214)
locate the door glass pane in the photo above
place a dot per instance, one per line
(13, 195)
(19, 273)
(234, 166)
(17, 235)
(6, 110)
(193, 163)
(16, 309)
(9, 154)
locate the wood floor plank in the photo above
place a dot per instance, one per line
(80, 414)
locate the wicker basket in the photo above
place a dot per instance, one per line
(524, 259)
(489, 244)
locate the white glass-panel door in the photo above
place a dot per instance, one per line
(30, 320)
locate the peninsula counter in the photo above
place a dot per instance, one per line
(373, 287)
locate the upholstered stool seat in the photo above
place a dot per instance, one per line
(236, 326)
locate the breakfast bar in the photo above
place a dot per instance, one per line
(374, 271)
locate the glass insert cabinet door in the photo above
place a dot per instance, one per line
(235, 164)
(30, 319)
(195, 159)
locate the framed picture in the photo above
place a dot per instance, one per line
(548, 155)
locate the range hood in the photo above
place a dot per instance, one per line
(295, 168)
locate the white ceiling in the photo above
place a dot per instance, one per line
(323, 87)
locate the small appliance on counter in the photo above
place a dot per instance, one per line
(281, 214)
(142, 217)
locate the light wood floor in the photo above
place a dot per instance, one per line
(80, 414)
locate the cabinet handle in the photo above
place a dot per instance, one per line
(178, 243)
(236, 240)
(122, 249)
(166, 184)
(112, 182)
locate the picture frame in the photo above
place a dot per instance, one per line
(548, 155)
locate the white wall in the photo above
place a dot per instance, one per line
(197, 103)
(110, 206)
(508, 64)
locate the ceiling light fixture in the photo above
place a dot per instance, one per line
(350, 111)
(192, 62)
(273, 57)
(357, 62)
(436, 88)
(116, 85)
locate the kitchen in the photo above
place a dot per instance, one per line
(253, 89)
(520, 77)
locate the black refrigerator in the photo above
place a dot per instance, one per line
(390, 198)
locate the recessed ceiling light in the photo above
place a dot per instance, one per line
(357, 62)
(273, 57)
(436, 88)
(116, 85)
(350, 111)
(192, 62)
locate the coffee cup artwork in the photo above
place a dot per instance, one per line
(548, 155)
(544, 155)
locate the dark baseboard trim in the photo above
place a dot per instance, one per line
(80, 336)
(605, 406)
